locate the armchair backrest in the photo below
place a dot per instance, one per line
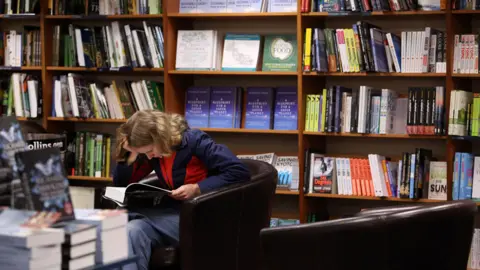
(431, 236)
(220, 230)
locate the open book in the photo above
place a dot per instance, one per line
(120, 195)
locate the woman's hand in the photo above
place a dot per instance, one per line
(186, 192)
(133, 155)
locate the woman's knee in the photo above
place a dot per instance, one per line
(137, 230)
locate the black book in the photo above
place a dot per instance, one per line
(44, 182)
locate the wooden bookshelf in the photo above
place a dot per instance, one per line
(368, 198)
(262, 141)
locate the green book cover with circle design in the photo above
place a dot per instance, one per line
(280, 53)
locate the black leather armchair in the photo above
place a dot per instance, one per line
(415, 237)
(220, 229)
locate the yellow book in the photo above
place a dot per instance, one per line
(324, 109)
(307, 64)
(310, 113)
(356, 63)
(317, 110)
(307, 115)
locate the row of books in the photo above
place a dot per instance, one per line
(110, 46)
(206, 50)
(287, 167)
(229, 6)
(370, 5)
(92, 154)
(365, 47)
(104, 7)
(466, 178)
(21, 95)
(20, 7)
(75, 96)
(222, 107)
(415, 176)
(465, 54)
(465, 5)
(376, 111)
(19, 48)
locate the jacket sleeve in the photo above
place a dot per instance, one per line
(223, 166)
(126, 174)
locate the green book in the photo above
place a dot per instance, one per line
(280, 53)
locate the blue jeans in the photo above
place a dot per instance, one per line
(148, 229)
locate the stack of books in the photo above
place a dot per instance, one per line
(78, 251)
(111, 228)
(27, 242)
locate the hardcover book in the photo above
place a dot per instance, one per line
(197, 106)
(259, 108)
(222, 107)
(44, 181)
(280, 53)
(286, 109)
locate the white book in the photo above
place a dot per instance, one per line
(17, 95)
(195, 49)
(79, 45)
(437, 186)
(143, 84)
(32, 86)
(119, 47)
(138, 49)
(151, 45)
(58, 99)
(131, 47)
(73, 95)
(426, 49)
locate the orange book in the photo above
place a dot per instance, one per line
(387, 180)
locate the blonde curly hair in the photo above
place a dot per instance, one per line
(146, 127)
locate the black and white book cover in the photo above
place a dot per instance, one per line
(44, 182)
(11, 142)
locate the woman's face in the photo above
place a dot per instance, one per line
(149, 150)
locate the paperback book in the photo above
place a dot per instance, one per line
(45, 183)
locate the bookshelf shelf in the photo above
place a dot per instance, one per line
(72, 119)
(104, 17)
(471, 75)
(286, 192)
(465, 12)
(385, 136)
(374, 13)
(19, 17)
(375, 74)
(231, 73)
(84, 69)
(336, 196)
(25, 68)
(233, 15)
(251, 131)
(88, 178)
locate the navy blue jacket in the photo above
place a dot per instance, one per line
(198, 159)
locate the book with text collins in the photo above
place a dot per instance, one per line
(44, 182)
(120, 195)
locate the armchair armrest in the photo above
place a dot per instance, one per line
(387, 210)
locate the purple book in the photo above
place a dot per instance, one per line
(286, 109)
(259, 108)
(222, 107)
(197, 106)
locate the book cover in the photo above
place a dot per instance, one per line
(44, 182)
(11, 142)
(280, 53)
(197, 106)
(323, 174)
(437, 187)
(222, 106)
(240, 52)
(258, 113)
(286, 109)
